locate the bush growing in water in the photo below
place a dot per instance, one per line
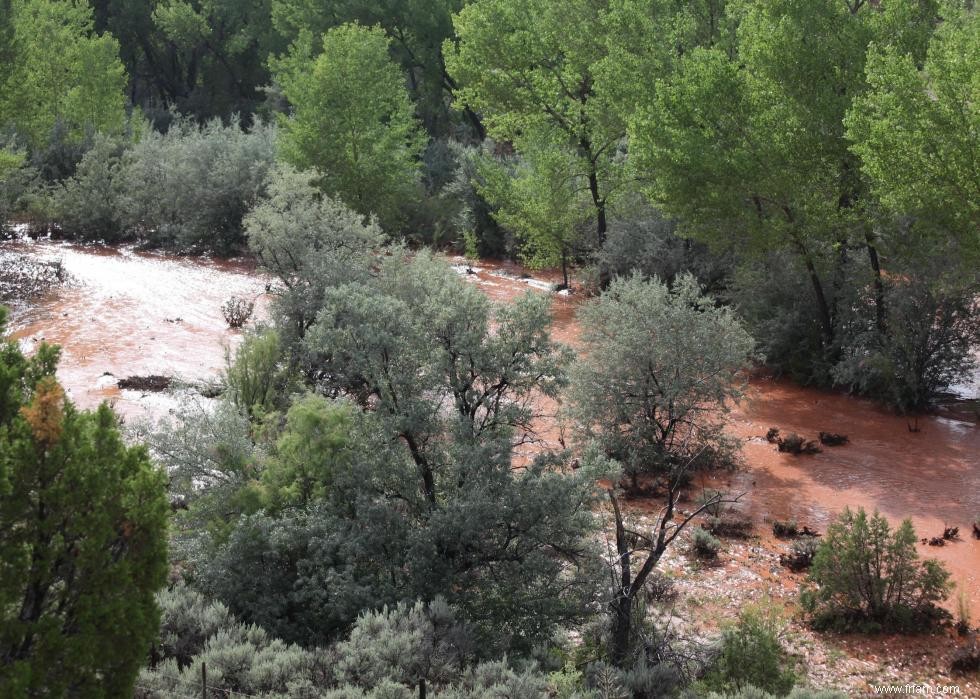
(865, 576)
(237, 311)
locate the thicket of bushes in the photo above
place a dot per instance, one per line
(867, 577)
(187, 189)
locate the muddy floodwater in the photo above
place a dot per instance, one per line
(931, 476)
(128, 313)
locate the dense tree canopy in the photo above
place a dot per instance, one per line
(354, 123)
(59, 72)
(83, 522)
(917, 130)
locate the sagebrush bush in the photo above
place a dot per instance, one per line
(704, 544)
(751, 655)
(190, 188)
(387, 653)
(867, 577)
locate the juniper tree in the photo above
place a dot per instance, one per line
(83, 521)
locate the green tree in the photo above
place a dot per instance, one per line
(542, 203)
(417, 29)
(917, 130)
(534, 65)
(83, 523)
(315, 443)
(308, 241)
(659, 371)
(746, 145)
(866, 574)
(80, 85)
(205, 58)
(353, 121)
(423, 497)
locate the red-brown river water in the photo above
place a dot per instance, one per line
(931, 476)
(130, 313)
(127, 313)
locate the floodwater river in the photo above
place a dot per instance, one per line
(130, 313)
(126, 313)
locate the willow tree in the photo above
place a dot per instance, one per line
(83, 521)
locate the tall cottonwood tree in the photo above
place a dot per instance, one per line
(417, 29)
(352, 120)
(533, 65)
(83, 522)
(746, 144)
(917, 129)
(60, 72)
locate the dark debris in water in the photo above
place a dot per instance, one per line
(145, 383)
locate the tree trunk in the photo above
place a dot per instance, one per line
(823, 308)
(600, 207)
(622, 628)
(879, 284)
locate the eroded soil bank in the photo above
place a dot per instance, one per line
(129, 313)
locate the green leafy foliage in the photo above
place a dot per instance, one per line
(315, 443)
(352, 120)
(867, 576)
(916, 129)
(60, 72)
(533, 70)
(751, 655)
(413, 490)
(191, 187)
(257, 378)
(83, 522)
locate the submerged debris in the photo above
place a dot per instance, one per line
(793, 443)
(833, 439)
(145, 383)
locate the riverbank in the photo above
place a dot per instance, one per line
(139, 313)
